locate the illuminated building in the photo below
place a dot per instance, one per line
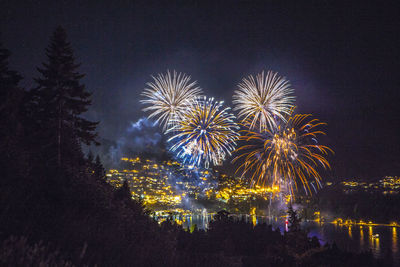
(387, 185)
(169, 186)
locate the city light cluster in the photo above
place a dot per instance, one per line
(162, 189)
(386, 185)
(148, 181)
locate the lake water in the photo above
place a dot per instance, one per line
(354, 238)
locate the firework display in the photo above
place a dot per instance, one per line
(278, 149)
(286, 156)
(205, 134)
(265, 99)
(169, 96)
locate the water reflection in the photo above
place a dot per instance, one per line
(349, 237)
(361, 236)
(370, 233)
(394, 240)
(377, 247)
(254, 219)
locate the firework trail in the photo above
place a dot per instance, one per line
(285, 156)
(169, 96)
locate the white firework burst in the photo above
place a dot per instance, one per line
(169, 96)
(264, 99)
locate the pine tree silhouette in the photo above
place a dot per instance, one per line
(294, 220)
(11, 96)
(124, 192)
(90, 157)
(60, 99)
(99, 170)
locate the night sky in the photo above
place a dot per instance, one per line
(342, 60)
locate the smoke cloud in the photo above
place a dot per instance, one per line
(141, 138)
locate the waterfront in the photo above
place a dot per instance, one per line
(383, 241)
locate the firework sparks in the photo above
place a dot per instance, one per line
(264, 99)
(285, 156)
(205, 134)
(169, 96)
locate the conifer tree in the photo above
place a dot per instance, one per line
(294, 220)
(90, 163)
(9, 79)
(90, 157)
(99, 170)
(10, 100)
(60, 99)
(124, 192)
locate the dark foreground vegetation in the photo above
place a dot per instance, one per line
(57, 210)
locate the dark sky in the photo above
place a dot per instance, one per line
(342, 60)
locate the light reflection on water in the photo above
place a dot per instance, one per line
(354, 238)
(361, 236)
(394, 240)
(350, 234)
